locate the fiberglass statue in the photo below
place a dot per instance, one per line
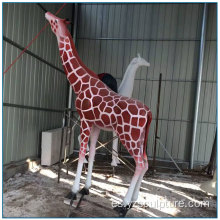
(101, 108)
(125, 89)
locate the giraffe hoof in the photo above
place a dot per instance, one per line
(118, 161)
(71, 196)
(122, 210)
(114, 164)
(84, 191)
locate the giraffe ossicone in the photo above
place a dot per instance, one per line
(101, 108)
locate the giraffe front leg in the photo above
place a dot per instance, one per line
(85, 133)
(79, 140)
(127, 203)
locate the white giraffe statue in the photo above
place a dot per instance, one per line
(126, 89)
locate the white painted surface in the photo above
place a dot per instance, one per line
(50, 146)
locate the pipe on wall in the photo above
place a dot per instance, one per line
(73, 32)
(13, 43)
(199, 81)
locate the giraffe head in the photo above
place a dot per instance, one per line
(139, 61)
(58, 25)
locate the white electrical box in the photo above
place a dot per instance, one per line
(51, 143)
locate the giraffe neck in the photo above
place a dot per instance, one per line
(76, 71)
(74, 52)
(127, 84)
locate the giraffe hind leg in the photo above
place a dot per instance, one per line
(93, 140)
(127, 201)
(144, 159)
(138, 184)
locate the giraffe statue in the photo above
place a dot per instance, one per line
(126, 89)
(101, 108)
(111, 82)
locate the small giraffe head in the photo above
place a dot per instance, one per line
(139, 61)
(58, 25)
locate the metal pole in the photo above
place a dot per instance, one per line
(61, 147)
(31, 54)
(157, 119)
(199, 80)
(73, 32)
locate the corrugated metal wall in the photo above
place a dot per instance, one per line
(108, 37)
(30, 82)
(168, 36)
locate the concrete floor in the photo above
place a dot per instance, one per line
(37, 194)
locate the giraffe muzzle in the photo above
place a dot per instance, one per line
(49, 16)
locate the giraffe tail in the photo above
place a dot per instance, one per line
(149, 119)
